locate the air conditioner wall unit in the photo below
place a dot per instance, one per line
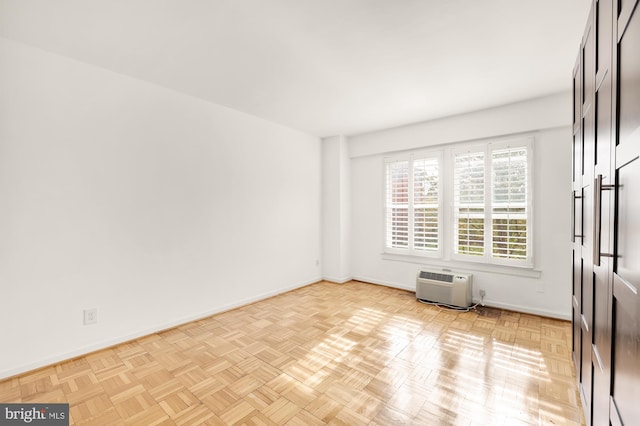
(446, 287)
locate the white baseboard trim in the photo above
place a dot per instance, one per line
(55, 359)
(491, 303)
(526, 309)
(337, 280)
(386, 283)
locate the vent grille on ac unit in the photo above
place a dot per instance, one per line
(428, 275)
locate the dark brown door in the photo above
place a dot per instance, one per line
(588, 127)
(576, 346)
(603, 213)
(625, 389)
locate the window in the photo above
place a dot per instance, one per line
(426, 205)
(492, 204)
(469, 203)
(398, 204)
(413, 205)
(509, 209)
(485, 190)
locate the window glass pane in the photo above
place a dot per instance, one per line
(509, 238)
(470, 235)
(399, 227)
(399, 180)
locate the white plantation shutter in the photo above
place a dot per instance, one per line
(509, 203)
(487, 190)
(413, 205)
(426, 204)
(397, 204)
(469, 203)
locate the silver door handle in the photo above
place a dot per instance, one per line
(574, 197)
(598, 187)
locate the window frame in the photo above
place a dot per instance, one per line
(454, 214)
(527, 144)
(410, 158)
(488, 149)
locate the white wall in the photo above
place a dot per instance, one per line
(545, 290)
(542, 113)
(153, 206)
(336, 211)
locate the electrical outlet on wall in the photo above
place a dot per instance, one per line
(90, 316)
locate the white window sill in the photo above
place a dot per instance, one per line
(460, 266)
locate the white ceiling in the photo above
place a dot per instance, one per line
(326, 67)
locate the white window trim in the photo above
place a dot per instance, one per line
(528, 144)
(451, 193)
(410, 157)
(488, 148)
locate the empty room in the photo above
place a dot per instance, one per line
(344, 212)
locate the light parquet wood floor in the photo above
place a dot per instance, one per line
(350, 354)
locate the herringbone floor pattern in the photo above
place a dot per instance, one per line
(350, 354)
